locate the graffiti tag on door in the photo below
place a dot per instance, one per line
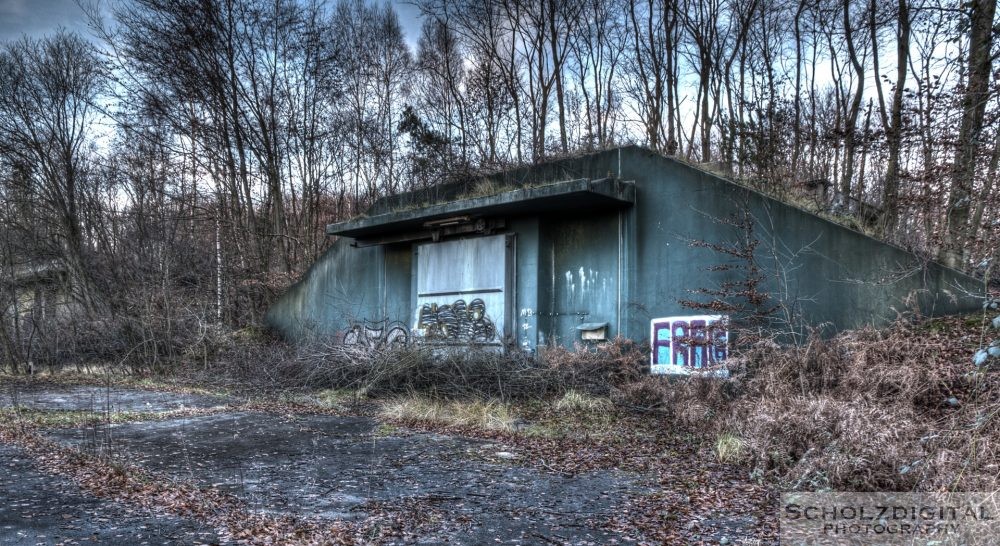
(456, 322)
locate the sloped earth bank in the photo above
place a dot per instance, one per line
(39, 508)
(422, 484)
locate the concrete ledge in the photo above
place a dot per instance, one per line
(582, 194)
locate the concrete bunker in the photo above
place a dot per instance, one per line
(592, 247)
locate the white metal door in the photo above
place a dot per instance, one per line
(462, 290)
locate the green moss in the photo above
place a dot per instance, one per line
(386, 429)
(334, 398)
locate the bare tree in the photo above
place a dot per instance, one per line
(440, 81)
(975, 98)
(597, 48)
(48, 90)
(650, 68)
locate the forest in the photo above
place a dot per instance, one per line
(168, 169)
(172, 170)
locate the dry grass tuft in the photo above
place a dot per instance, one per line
(336, 398)
(729, 448)
(484, 414)
(579, 402)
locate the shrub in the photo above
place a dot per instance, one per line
(894, 409)
(437, 371)
(464, 372)
(600, 368)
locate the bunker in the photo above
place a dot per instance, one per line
(623, 242)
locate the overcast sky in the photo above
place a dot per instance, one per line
(39, 17)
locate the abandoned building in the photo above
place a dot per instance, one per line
(624, 242)
(32, 295)
(38, 290)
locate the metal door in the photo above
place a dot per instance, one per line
(463, 290)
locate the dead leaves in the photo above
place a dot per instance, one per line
(697, 499)
(131, 485)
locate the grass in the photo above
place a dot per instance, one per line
(385, 429)
(159, 384)
(729, 448)
(72, 418)
(336, 398)
(578, 402)
(104, 376)
(574, 415)
(485, 414)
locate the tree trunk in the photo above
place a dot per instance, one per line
(955, 251)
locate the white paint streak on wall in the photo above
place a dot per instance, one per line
(526, 315)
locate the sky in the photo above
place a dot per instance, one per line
(37, 18)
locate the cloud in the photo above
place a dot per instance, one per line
(36, 18)
(13, 8)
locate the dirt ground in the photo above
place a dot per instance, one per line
(341, 467)
(322, 467)
(99, 399)
(39, 508)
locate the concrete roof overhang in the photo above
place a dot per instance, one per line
(420, 222)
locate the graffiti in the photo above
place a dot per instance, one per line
(690, 342)
(376, 334)
(457, 322)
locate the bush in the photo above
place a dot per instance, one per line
(464, 372)
(869, 410)
(599, 369)
(437, 371)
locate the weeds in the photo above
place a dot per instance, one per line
(484, 414)
(336, 398)
(729, 448)
(578, 402)
(71, 418)
(869, 410)
(895, 409)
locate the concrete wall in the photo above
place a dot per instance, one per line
(578, 275)
(825, 273)
(344, 286)
(526, 326)
(630, 266)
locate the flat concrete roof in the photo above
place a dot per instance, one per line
(576, 195)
